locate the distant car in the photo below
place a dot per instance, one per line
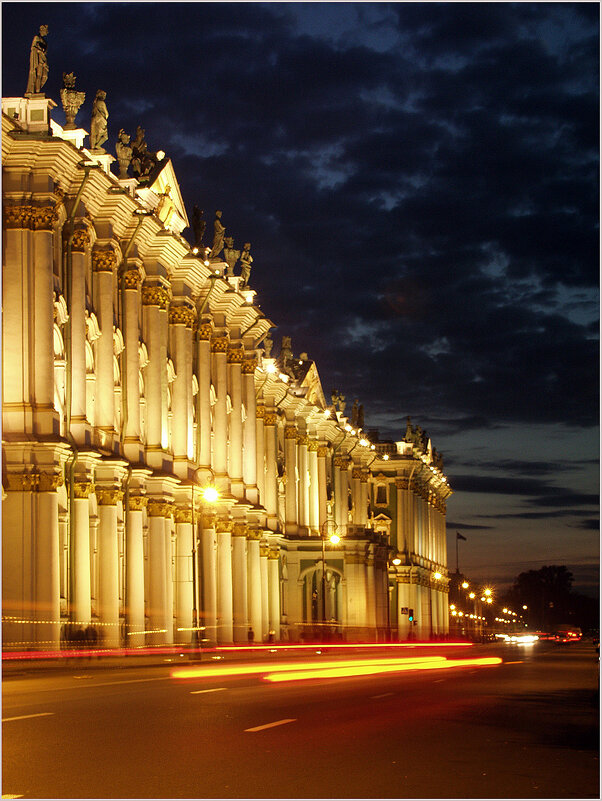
(567, 634)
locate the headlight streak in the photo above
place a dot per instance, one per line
(370, 670)
(276, 667)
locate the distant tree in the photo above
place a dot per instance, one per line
(547, 594)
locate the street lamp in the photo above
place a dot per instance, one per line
(209, 494)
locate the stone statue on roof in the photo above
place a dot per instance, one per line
(124, 153)
(268, 344)
(71, 100)
(143, 161)
(198, 227)
(38, 62)
(98, 127)
(231, 255)
(246, 261)
(218, 236)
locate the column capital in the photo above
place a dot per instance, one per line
(155, 296)
(264, 549)
(302, 439)
(109, 496)
(342, 462)
(254, 534)
(44, 218)
(181, 315)
(204, 331)
(270, 418)
(322, 450)
(50, 482)
(290, 431)
(357, 472)
(159, 508)
(104, 261)
(260, 411)
(249, 366)
(274, 552)
(18, 216)
(219, 344)
(313, 445)
(365, 477)
(137, 503)
(224, 526)
(239, 530)
(208, 520)
(83, 489)
(131, 279)
(183, 514)
(80, 241)
(235, 355)
(402, 483)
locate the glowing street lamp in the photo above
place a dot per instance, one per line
(334, 539)
(209, 494)
(465, 585)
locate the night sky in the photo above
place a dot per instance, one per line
(419, 183)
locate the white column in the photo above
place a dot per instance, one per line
(402, 499)
(303, 468)
(363, 510)
(250, 446)
(260, 460)
(157, 595)
(169, 579)
(224, 582)
(204, 396)
(46, 567)
(235, 356)
(108, 566)
(80, 571)
(290, 491)
(103, 264)
(271, 468)
(254, 584)
(371, 595)
(404, 601)
(220, 412)
(322, 509)
(314, 487)
(77, 316)
(130, 376)
(239, 583)
(263, 567)
(184, 586)
(274, 592)
(209, 578)
(181, 319)
(155, 300)
(356, 494)
(134, 567)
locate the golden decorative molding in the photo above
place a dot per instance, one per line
(402, 483)
(44, 218)
(354, 559)
(235, 355)
(254, 534)
(224, 526)
(17, 216)
(137, 503)
(157, 508)
(208, 520)
(183, 514)
(108, 497)
(83, 489)
(322, 450)
(274, 553)
(249, 366)
(219, 344)
(270, 418)
(302, 439)
(155, 296)
(239, 530)
(182, 315)
(290, 432)
(357, 472)
(204, 331)
(264, 549)
(365, 476)
(131, 279)
(50, 482)
(313, 445)
(342, 462)
(104, 261)
(260, 412)
(402, 578)
(80, 241)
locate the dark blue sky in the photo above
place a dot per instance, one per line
(419, 183)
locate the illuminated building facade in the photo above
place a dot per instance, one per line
(136, 375)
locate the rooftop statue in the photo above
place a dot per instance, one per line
(143, 160)
(246, 261)
(71, 100)
(268, 344)
(98, 126)
(354, 410)
(38, 62)
(230, 254)
(124, 153)
(218, 236)
(198, 227)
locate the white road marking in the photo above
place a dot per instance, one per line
(438, 681)
(384, 695)
(271, 725)
(126, 681)
(11, 795)
(212, 690)
(23, 717)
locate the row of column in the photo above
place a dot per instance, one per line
(420, 522)
(427, 601)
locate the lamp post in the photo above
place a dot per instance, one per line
(209, 495)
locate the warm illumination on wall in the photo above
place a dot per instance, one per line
(210, 494)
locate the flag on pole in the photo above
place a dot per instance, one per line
(459, 536)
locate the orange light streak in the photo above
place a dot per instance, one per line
(370, 670)
(276, 667)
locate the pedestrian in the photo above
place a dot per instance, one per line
(250, 635)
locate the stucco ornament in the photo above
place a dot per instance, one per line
(38, 62)
(71, 100)
(98, 126)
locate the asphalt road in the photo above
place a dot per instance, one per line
(525, 729)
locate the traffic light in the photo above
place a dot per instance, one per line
(411, 615)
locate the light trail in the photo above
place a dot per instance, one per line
(375, 669)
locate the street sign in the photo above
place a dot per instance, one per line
(404, 610)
